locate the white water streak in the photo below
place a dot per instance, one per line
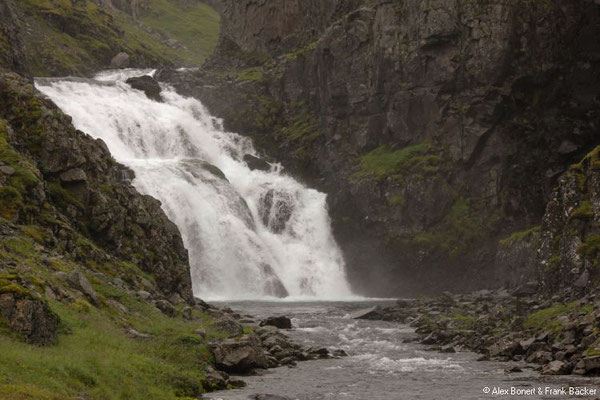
(233, 255)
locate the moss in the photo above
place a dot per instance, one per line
(464, 322)
(547, 319)
(590, 246)
(9, 286)
(62, 197)
(383, 162)
(10, 202)
(250, 74)
(302, 125)
(460, 228)
(397, 201)
(585, 210)
(520, 236)
(302, 51)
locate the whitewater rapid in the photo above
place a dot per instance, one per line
(250, 234)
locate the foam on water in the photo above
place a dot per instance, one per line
(250, 234)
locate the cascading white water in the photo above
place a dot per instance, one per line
(250, 234)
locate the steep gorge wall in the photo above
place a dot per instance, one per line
(438, 128)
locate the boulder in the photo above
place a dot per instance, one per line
(255, 163)
(148, 85)
(368, 313)
(555, 368)
(591, 364)
(78, 281)
(121, 60)
(281, 322)
(228, 326)
(239, 355)
(73, 175)
(165, 307)
(6, 170)
(29, 317)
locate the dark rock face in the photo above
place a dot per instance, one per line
(148, 85)
(570, 237)
(76, 186)
(255, 163)
(29, 317)
(11, 47)
(275, 209)
(281, 322)
(436, 129)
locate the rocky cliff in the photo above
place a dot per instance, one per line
(438, 128)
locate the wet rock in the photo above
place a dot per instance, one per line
(255, 163)
(339, 353)
(555, 368)
(268, 397)
(281, 322)
(121, 60)
(448, 349)
(239, 355)
(148, 85)
(78, 281)
(165, 307)
(369, 313)
(591, 364)
(228, 326)
(275, 209)
(29, 317)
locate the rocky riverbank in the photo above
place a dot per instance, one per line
(251, 347)
(560, 335)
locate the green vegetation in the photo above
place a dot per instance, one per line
(196, 27)
(79, 37)
(459, 229)
(250, 74)
(463, 322)
(547, 319)
(302, 51)
(585, 210)
(520, 236)
(94, 354)
(384, 162)
(590, 246)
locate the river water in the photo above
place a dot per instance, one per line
(380, 366)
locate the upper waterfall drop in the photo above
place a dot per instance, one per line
(250, 234)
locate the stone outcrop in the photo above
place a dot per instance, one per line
(570, 241)
(68, 183)
(29, 317)
(436, 128)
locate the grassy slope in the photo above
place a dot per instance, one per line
(197, 27)
(93, 354)
(66, 38)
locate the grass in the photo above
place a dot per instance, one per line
(93, 354)
(96, 358)
(585, 210)
(196, 27)
(384, 162)
(80, 37)
(547, 319)
(519, 236)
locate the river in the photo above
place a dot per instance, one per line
(380, 366)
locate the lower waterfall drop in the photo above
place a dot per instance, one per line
(250, 233)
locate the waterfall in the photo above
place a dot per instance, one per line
(250, 234)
